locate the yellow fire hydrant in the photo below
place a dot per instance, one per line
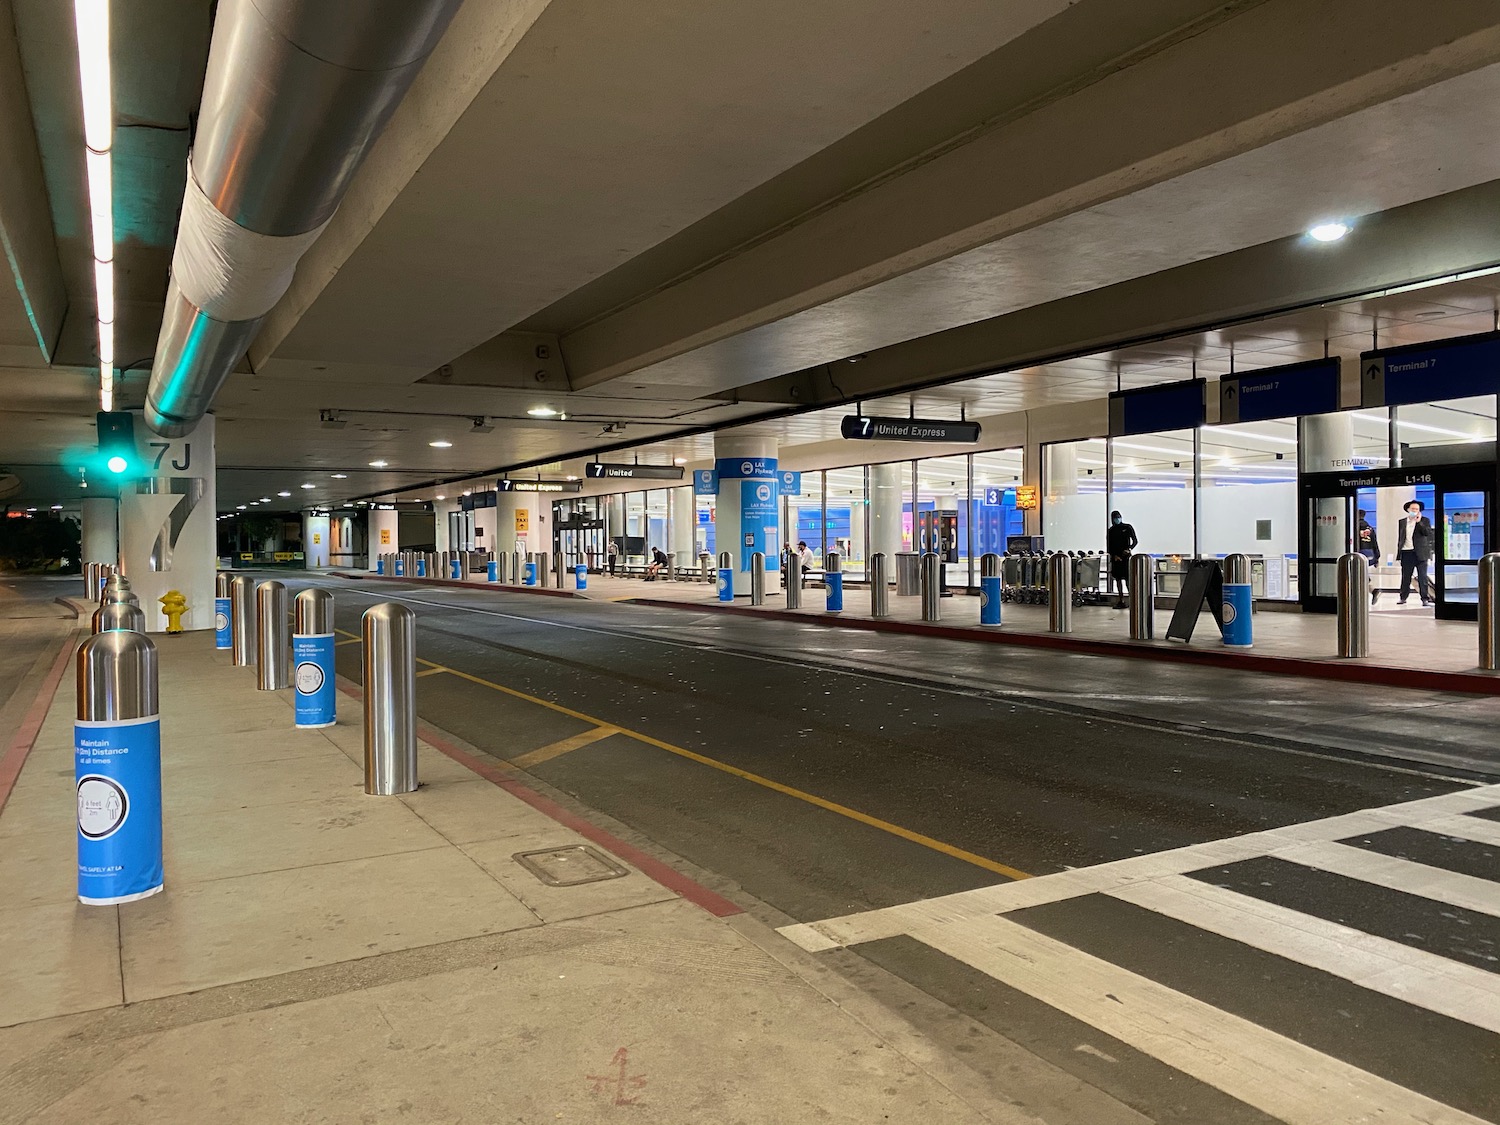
(174, 605)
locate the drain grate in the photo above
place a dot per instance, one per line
(570, 867)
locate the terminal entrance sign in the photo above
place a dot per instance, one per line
(599, 470)
(1150, 410)
(1280, 392)
(864, 428)
(1458, 368)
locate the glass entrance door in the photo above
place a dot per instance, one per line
(1461, 521)
(1328, 535)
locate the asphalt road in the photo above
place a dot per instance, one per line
(828, 775)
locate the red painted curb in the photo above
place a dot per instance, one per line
(495, 587)
(31, 726)
(654, 869)
(1472, 683)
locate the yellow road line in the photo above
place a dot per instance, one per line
(755, 778)
(563, 746)
(350, 641)
(431, 672)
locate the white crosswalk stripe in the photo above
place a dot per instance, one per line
(1286, 1079)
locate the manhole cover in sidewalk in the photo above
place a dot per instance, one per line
(568, 867)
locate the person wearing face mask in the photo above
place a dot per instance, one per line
(1414, 541)
(1119, 541)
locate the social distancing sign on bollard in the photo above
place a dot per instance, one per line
(492, 571)
(313, 677)
(421, 567)
(223, 637)
(989, 600)
(726, 585)
(834, 583)
(1237, 618)
(530, 579)
(580, 577)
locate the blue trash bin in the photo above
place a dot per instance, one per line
(989, 600)
(1238, 631)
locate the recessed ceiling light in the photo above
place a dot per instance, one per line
(1328, 232)
(572, 477)
(441, 444)
(265, 499)
(309, 486)
(542, 412)
(440, 496)
(254, 503)
(57, 507)
(239, 507)
(283, 494)
(340, 476)
(679, 460)
(378, 464)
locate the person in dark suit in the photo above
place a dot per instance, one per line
(1414, 539)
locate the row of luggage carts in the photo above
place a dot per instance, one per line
(1023, 577)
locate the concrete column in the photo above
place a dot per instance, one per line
(522, 534)
(487, 535)
(315, 539)
(101, 533)
(748, 512)
(167, 525)
(885, 511)
(1328, 444)
(383, 537)
(442, 532)
(682, 523)
(1061, 473)
(614, 515)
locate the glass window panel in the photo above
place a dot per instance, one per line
(1153, 491)
(844, 495)
(1073, 495)
(1249, 499)
(807, 520)
(1459, 421)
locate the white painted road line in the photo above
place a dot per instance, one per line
(1276, 1075)
(1466, 828)
(1428, 980)
(1436, 883)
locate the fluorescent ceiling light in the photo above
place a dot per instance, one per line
(239, 507)
(542, 412)
(1188, 452)
(101, 204)
(1209, 432)
(340, 476)
(441, 444)
(440, 496)
(92, 19)
(309, 486)
(104, 290)
(1422, 426)
(1328, 232)
(265, 499)
(283, 494)
(378, 464)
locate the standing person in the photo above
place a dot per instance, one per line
(1369, 546)
(1119, 542)
(613, 551)
(1414, 542)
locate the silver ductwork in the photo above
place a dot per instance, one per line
(296, 93)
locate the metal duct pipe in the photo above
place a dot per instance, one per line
(295, 95)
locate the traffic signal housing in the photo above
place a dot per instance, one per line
(116, 441)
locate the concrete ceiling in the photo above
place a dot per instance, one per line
(664, 217)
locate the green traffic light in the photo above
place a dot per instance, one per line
(117, 464)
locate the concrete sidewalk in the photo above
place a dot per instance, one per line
(320, 955)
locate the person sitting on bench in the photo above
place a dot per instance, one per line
(658, 562)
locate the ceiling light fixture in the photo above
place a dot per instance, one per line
(91, 19)
(265, 499)
(239, 507)
(1328, 232)
(379, 464)
(542, 412)
(283, 494)
(440, 496)
(679, 460)
(309, 486)
(340, 476)
(441, 444)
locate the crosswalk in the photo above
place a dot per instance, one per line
(1270, 1069)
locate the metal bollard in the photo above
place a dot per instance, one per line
(1353, 605)
(223, 635)
(704, 566)
(273, 652)
(880, 585)
(390, 635)
(422, 570)
(119, 616)
(931, 580)
(726, 578)
(117, 769)
(242, 619)
(123, 594)
(312, 661)
(833, 583)
(989, 589)
(793, 581)
(1142, 601)
(559, 570)
(671, 566)
(580, 577)
(1238, 602)
(543, 578)
(1489, 613)
(90, 580)
(1060, 594)
(758, 578)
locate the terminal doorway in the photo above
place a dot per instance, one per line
(1458, 499)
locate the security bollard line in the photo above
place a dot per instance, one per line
(273, 651)
(117, 769)
(390, 659)
(119, 616)
(880, 585)
(242, 619)
(1353, 589)
(313, 674)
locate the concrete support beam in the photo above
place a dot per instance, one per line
(1266, 74)
(25, 215)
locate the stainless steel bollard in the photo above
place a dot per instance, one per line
(705, 566)
(1142, 599)
(242, 619)
(114, 583)
(1489, 613)
(1060, 593)
(832, 564)
(517, 571)
(119, 594)
(758, 578)
(1353, 605)
(122, 616)
(671, 566)
(793, 581)
(1237, 570)
(314, 612)
(726, 561)
(932, 586)
(543, 575)
(273, 650)
(313, 674)
(559, 575)
(390, 636)
(880, 585)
